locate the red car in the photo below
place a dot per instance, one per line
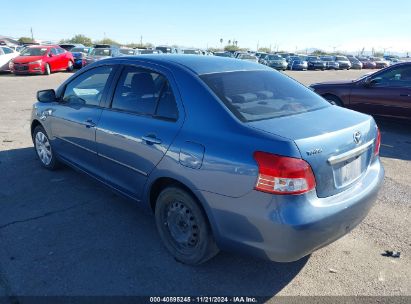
(384, 93)
(367, 63)
(42, 59)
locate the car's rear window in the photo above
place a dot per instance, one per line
(258, 95)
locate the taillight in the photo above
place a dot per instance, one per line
(377, 142)
(283, 175)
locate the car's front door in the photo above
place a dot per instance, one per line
(53, 60)
(136, 130)
(74, 119)
(387, 93)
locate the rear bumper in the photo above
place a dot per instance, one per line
(287, 228)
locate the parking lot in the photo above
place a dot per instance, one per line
(62, 233)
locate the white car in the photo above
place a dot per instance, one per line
(6, 54)
(248, 57)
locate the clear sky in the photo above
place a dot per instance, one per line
(287, 24)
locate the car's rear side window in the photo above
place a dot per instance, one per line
(144, 92)
(257, 95)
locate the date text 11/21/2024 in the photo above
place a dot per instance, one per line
(204, 299)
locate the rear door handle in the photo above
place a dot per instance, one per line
(405, 95)
(90, 123)
(151, 139)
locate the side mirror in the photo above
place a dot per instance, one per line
(46, 96)
(51, 55)
(369, 81)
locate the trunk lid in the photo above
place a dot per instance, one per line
(327, 140)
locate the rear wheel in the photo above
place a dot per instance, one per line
(334, 100)
(183, 227)
(70, 66)
(47, 70)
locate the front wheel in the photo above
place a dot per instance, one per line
(43, 149)
(183, 227)
(47, 70)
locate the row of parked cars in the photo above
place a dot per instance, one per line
(291, 61)
(44, 59)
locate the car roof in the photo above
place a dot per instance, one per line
(197, 64)
(43, 46)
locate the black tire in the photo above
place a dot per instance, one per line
(70, 66)
(51, 163)
(47, 70)
(183, 227)
(334, 100)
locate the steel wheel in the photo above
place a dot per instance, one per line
(43, 148)
(182, 226)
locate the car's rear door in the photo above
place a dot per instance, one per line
(62, 58)
(387, 94)
(138, 126)
(75, 117)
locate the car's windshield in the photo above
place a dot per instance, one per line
(80, 50)
(192, 52)
(245, 56)
(274, 57)
(34, 52)
(222, 54)
(127, 51)
(258, 95)
(313, 58)
(326, 58)
(101, 52)
(164, 49)
(149, 52)
(342, 58)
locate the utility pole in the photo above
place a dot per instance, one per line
(32, 37)
(141, 40)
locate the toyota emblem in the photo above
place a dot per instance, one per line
(357, 137)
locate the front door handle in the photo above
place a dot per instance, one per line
(90, 123)
(405, 95)
(151, 139)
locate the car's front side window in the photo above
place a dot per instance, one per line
(7, 50)
(396, 77)
(144, 92)
(88, 88)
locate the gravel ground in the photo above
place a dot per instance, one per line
(62, 233)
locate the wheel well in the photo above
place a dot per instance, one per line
(162, 183)
(336, 98)
(34, 124)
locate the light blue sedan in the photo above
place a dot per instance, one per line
(228, 154)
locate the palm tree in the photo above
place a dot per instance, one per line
(221, 42)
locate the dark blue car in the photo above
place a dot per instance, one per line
(79, 55)
(228, 154)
